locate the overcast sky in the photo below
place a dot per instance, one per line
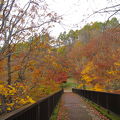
(75, 11)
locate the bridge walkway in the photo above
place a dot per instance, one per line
(74, 107)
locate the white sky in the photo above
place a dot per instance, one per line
(74, 11)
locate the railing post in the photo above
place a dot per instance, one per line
(107, 103)
(98, 98)
(38, 114)
(48, 108)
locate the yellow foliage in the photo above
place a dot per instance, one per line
(87, 78)
(98, 87)
(80, 86)
(117, 63)
(86, 71)
(10, 104)
(7, 90)
(26, 100)
(22, 101)
(32, 63)
(8, 108)
(30, 100)
(112, 72)
(88, 68)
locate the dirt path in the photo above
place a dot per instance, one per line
(73, 107)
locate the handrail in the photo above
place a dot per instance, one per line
(41, 110)
(109, 101)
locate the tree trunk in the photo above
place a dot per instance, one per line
(9, 69)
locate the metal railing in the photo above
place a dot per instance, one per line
(40, 110)
(109, 101)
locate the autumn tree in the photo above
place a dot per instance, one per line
(18, 23)
(95, 63)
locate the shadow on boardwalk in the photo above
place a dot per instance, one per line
(73, 107)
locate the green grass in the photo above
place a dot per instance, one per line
(55, 113)
(71, 80)
(104, 111)
(71, 83)
(68, 85)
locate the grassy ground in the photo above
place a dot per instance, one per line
(71, 83)
(55, 113)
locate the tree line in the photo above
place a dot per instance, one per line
(93, 55)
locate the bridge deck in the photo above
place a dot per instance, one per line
(75, 108)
